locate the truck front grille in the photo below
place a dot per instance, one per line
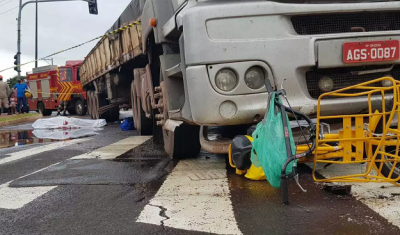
(346, 22)
(344, 77)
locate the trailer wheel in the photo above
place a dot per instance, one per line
(42, 110)
(88, 100)
(142, 124)
(92, 105)
(80, 108)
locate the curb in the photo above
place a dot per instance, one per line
(20, 120)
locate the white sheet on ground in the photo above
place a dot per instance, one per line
(59, 134)
(67, 123)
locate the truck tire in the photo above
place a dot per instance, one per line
(142, 124)
(80, 108)
(88, 100)
(184, 142)
(42, 110)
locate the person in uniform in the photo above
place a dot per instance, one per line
(4, 92)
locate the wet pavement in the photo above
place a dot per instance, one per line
(316, 211)
(50, 193)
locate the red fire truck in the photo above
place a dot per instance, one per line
(51, 84)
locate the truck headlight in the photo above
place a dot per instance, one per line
(226, 79)
(325, 84)
(255, 77)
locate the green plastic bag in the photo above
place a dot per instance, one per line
(269, 148)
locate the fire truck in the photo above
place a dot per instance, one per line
(50, 85)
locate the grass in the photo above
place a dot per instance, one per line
(4, 118)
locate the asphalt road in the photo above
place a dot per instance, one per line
(118, 183)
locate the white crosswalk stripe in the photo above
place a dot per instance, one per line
(114, 150)
(37, 150)
(195, 196)
(16, 198)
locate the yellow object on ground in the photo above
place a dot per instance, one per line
(255, 173)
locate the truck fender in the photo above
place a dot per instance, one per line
(162, 11)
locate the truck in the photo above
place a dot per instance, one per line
(50, 85)
(187, 65)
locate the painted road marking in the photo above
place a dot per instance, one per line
(380, 197)
(33, 151)
(16, 198)
(114, 150)
(196, 197)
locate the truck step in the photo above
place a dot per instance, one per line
(171, 63)
(174, 71)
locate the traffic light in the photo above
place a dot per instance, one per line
(17, 62)
(93, 7)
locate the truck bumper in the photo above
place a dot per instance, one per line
(210, 108)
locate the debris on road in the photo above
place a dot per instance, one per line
(338, 189)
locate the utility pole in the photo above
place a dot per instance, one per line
(18, 55)
(36, 36)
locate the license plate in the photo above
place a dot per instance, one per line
(371, 51)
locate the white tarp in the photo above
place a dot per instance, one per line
(68, 123)
(59, 134)
(125, 114)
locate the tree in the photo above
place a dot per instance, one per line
(12, 81)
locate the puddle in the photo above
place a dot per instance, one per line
(17, 138)
(11, 138)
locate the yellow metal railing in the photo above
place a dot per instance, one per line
(357, 144)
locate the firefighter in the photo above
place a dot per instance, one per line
(4, 92)
(62, 107)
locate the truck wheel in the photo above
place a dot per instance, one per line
(42, 110)
(184, 142)
(142, 124)
(80, 108)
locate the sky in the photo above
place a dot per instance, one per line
(61, 25)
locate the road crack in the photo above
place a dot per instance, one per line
(162, 214)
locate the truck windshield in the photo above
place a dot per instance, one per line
(65, 74)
